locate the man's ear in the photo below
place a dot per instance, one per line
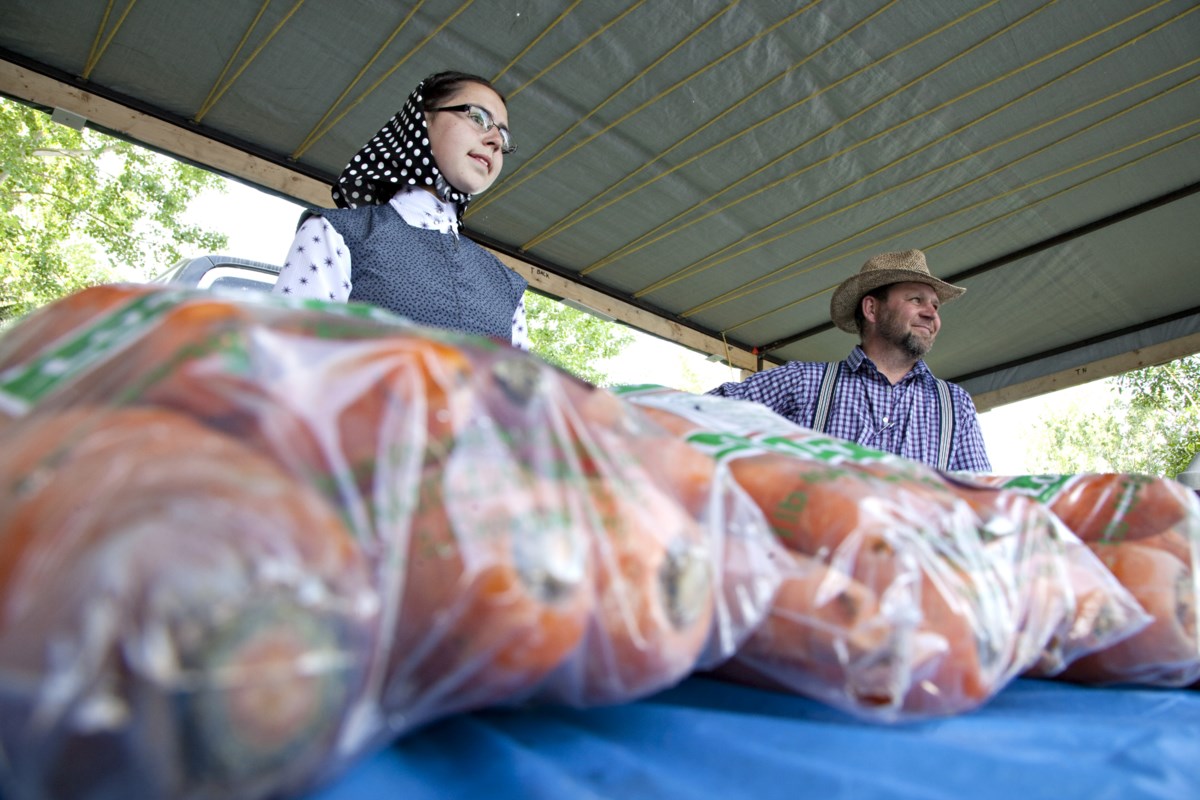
(870, 308)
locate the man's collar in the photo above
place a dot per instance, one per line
(858, 357)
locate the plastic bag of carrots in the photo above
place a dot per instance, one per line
(1146, 530)
(244, 541)
(907, 594)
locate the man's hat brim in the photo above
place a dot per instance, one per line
(903, 267)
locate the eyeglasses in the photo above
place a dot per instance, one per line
(483, 118)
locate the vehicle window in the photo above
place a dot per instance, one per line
(239, 278)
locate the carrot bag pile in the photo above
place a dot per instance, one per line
(244, 542)
(907, 594)
(1146, 530)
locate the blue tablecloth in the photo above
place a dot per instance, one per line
(706, 738)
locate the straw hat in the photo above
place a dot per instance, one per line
(906, 266)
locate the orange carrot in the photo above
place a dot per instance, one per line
(654, 596)
(494, 590)
(224, 605)
(1167, 652)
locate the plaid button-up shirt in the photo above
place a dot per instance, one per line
(869, 410)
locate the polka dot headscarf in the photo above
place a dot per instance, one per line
(396, 157)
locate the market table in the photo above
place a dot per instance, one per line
(706, 738)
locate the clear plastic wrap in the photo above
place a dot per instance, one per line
(1146, 530)
(907, 593)
(177, 613)
(243, 541)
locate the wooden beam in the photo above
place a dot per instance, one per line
(41, 90)
(1105, 368)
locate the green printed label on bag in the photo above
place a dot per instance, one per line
(1043, 488)
(29, 382)
(749, 428)
(824, 449)
(636, 388)
(722, 444)
(718, 444)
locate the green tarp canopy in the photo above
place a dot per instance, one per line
(708, 171)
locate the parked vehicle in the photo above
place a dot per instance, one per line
(225, 272)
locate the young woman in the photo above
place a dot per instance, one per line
(394, 239)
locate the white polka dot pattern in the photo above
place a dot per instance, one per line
(398, 155)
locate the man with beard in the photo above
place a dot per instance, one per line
(882, 395)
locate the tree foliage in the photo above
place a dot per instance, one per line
(1171, 392)
(573, 340)
(1175, 385)
(1152, 426)
(80, 207)
(1117, 438)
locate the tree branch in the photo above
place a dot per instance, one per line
(80, 154)
(87, 212)
(1173, 374)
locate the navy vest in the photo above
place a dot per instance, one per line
(432, 278)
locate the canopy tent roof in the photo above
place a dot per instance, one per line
(709, 170)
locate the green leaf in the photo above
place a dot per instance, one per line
(573, 340)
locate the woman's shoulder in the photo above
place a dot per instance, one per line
(355, 222)
(481, 252)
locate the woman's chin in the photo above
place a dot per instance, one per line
(471, 182)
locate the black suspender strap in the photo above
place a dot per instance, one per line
(945, 432)
(825, 395)
(946, 428)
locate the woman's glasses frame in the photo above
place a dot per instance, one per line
(483, 118)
